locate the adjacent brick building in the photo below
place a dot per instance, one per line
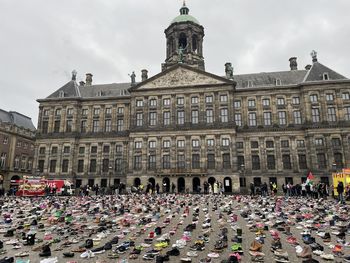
(17, 137)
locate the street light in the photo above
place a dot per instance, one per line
(110, 175)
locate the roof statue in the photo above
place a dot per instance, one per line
(229, 70)
(133, 78)
(314, 56)
(74, 75)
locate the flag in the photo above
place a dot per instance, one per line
(310, 178)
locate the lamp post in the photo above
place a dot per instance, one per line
(110, 175)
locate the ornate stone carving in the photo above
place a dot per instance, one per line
(180, 77)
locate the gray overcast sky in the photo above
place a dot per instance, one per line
(42, 41)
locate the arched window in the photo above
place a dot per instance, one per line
(182, 40)
(194, 44)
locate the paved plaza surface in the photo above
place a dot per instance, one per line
(207, 226)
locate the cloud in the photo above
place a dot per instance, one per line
(43, 41)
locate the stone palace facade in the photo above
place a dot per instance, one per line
(187, 126)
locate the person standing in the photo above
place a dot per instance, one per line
(340, 190)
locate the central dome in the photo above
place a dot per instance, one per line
(184, 16)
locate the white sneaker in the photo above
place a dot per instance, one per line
(49, 260)
(87, 254)
(318, 252)
(192, 254)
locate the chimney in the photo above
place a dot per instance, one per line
(82, 83)
(144, 74)
(293, 63)
(307, 67)
(88, 79)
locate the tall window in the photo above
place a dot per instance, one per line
(166, 144)
(108, 111)
(105, 165)
(56, 127)
(166, 161)
(347, 113)
(153, 102)
(267, 118)
(300, 144)
(224, 115)
(252, 119)
(152, 144)
(118, 165)
(120, 125)
(180, 117)
(138, 144)
(166, 102)
(93, 166)
(3, 160)
(166, 118)
(319, 141)
(266, 102)
(269, 144)
(180, 144)
(297, 117)
(138, 162)
(211, 161)
(226, 161)
(295, 100)
(251, 103)
(321, 161)
(120, 110)
(108, 125)
(238, 119)
(195, 161)
(119, 148)
(271, 163)
(209, 99)
(332, 117)
(240, 162)
(302, 161)
(329, 97)
(80, 166)
(282, 118)
(66, 149)
(180, 101)
(336, 142)
(338, 160)
(315, 114)
(223, 98)
(195, 117)
(237, 104)
(280, 101)
(210, 142)
(209, 116)
(45, 127)
(255, 162)
(83, 126)
(286, 162)
(151, 162)
(225, 142)
(53, 166)
(313, 98)
(96, 111)
(95, 126)
(284, 143)
(194, 100)
(65, 164)
(152, 118)
(139, 103)
(195, 143)
(345, 96)
(181, 161)
(139, 119)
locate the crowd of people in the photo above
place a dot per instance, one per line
(316, 191)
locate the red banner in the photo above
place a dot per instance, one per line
(33, 187)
